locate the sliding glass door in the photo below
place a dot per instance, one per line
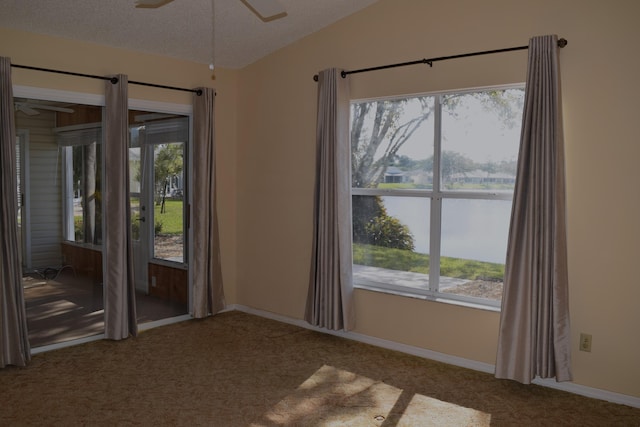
(60, 186)
(60, 167)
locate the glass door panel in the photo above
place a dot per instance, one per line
(168, 212)
(60, 218)
(158, 189)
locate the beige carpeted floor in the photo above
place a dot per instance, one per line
(236, 369)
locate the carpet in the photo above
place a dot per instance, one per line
(236, 369)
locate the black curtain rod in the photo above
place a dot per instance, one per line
(113, 80)
(430, 61)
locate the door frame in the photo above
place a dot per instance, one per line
(142, 246)
(187, 111)
(24, 201)
(46, 94)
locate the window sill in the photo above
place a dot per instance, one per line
(92, 246)
(169, 263)
(439, 297)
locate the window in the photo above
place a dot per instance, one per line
(432, 186)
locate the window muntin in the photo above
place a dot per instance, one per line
(439, 170)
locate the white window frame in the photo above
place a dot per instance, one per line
(436, 196)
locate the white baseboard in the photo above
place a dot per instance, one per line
(570, 387)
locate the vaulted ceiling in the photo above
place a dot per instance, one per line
(234, 36)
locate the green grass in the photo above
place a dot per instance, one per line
(404, 260)
(171, 219)
(455, 186)
(403, 186)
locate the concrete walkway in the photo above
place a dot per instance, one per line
(365, 274)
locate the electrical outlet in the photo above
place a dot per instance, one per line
(585, 342)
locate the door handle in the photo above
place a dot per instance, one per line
(141, 219)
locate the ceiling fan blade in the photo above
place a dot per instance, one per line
(52, 108)
(267, 10)
(151, 4)
(31, 109)
(27, 110)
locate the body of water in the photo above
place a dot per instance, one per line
(471, 229)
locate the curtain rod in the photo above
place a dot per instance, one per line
(430, 61)
(113, 80)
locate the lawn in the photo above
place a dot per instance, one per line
(404, 260)
(171, 220)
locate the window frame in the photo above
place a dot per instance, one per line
(436, 195)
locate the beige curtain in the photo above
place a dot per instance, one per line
(208, 292)
(330, 295)
(119, 296)
(14, 339)
(534, 338)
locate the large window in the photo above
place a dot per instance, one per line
(432, 185)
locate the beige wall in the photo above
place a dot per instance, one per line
(266, 155)
(61, 54)
(600, 67)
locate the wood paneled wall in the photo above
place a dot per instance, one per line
(86, 261)
(168, 283)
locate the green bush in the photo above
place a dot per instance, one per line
(78, 230)
(373, 225)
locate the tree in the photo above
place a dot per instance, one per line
(452, 163)
(374, 150)
(168, 163)
(368, 164)
(86, 165)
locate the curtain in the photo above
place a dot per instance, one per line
(119, 303)
(208, 292)
(534, 338)
(14, 339)
(330, 295)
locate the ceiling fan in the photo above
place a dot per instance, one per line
(31, 109)
(266, 10)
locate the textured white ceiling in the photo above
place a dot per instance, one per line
(181, 29)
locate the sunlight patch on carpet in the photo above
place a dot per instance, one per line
(335, 397)
(423, 410)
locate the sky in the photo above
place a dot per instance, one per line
(475, 132)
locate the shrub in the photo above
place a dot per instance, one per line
(373, 225)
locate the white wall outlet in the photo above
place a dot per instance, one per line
(585, 342)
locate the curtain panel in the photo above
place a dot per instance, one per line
(534, 337)
(208, 291)
(119, 305)
(14, 337)
(330, 295)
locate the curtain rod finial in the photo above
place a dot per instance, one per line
(562, 42)
(315, 78)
